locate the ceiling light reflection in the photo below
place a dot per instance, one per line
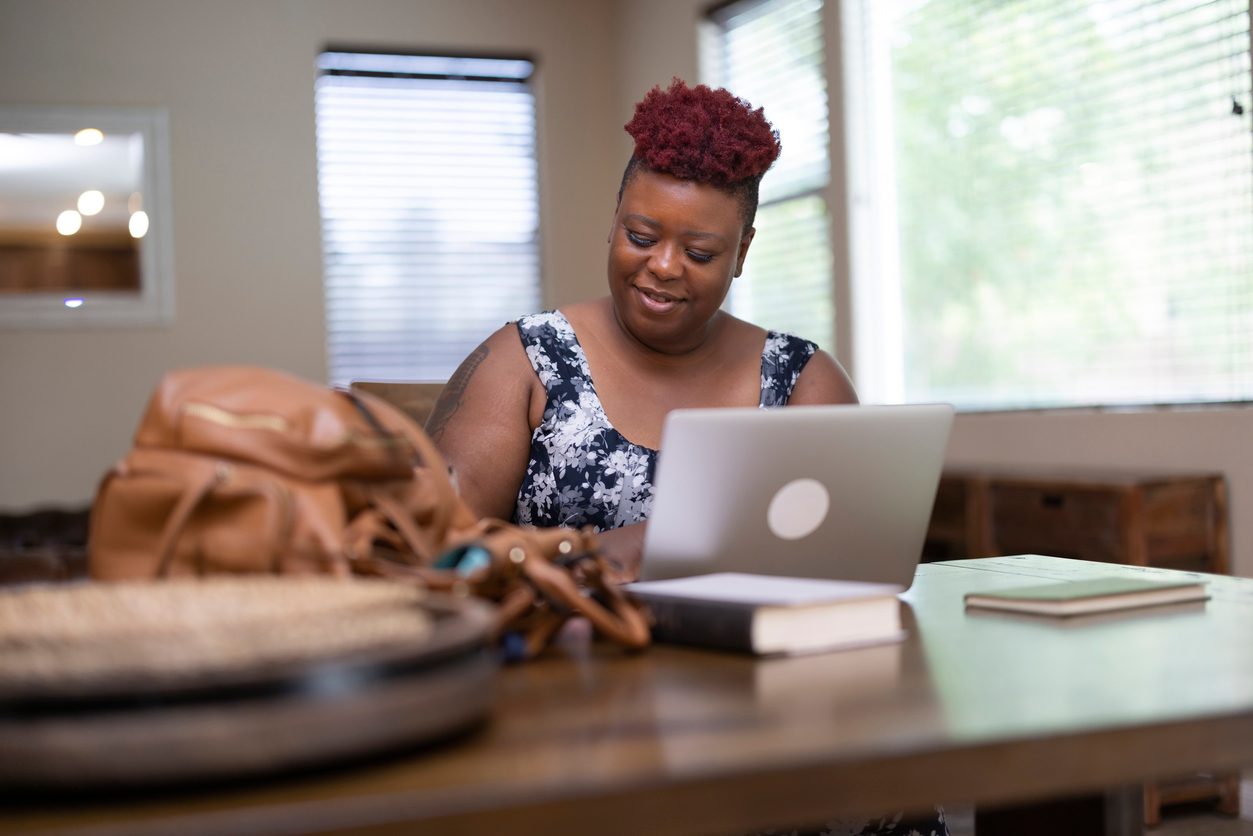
(89, 136)
(91, 202)
(69, 222)
(139, 224)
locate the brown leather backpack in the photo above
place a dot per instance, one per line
(239, 470)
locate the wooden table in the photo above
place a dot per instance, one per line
(974, 708)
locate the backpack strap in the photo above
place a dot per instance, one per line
(186, 506)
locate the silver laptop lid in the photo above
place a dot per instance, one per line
(838, 492)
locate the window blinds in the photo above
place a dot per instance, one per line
(1075, 198)
(770, 52)
(427, 182)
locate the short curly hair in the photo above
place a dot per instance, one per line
(706, 135)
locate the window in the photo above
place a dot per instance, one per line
(430, 221)
(1064, 198)
(771, 53)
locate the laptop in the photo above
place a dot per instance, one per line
(831, 492)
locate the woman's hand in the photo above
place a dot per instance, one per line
(623, 550)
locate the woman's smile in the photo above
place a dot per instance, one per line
(658, 302)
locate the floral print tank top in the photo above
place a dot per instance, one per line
(582, 471)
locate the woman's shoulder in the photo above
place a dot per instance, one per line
(777, 347)
(741, 332)
(784, 344)
(587, 316)
(502, 355)
(551, 317)
(823, 381)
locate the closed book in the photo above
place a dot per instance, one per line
(766, 614)
(1091, 595)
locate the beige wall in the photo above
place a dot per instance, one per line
(237, 77)
(655, 41)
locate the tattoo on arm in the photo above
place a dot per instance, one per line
(450, 398)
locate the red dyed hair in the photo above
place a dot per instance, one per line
(702, 134)
(698, 133)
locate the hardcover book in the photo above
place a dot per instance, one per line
(768, 614)
(1092, 595)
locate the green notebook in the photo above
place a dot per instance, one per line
(1089, 596)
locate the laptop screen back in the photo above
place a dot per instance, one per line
(837, 492)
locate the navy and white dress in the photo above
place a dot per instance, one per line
(582, 471)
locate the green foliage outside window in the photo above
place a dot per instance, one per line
(1075, 208)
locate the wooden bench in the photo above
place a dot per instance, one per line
(416, 400)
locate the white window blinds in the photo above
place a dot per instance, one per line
(427, 179)
(1074, 197)
(770, 52)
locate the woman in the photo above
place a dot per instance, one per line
(556, 419)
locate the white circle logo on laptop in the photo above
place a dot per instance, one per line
(798, 509)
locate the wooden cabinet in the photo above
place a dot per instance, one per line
(1140, 518)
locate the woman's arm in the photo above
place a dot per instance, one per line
(482, 427)
(822, 381)
(481, 423)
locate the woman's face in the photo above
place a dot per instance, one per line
(674, 248)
